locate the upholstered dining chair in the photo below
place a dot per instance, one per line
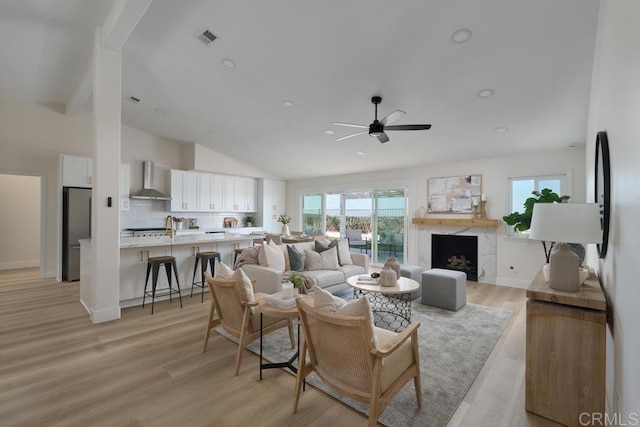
(239, 317)
(275, 237)
(340, 350)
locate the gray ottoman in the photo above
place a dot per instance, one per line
(444, 288)
(413, 272)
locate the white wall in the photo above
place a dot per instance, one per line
(615, 108)
(206, 160)
(526, 257)
(20, 223)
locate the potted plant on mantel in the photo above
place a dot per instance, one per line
(522, 221)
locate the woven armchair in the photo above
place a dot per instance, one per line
(340, 350)
(239, 317)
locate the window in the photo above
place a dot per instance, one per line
(312, 213)
(520, 189)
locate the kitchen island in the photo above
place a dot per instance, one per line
(135, 251)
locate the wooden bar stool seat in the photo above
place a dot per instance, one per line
(153, 267)
(203, 258)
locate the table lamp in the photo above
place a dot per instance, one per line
(565, 223)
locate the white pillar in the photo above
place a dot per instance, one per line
(105, 225)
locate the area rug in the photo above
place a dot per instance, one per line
(453, 348)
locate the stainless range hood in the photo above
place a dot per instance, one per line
(147, 192)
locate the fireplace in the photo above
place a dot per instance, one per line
(455, 252)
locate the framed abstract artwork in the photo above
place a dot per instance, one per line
(454, 194)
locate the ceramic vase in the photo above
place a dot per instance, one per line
(422, 212)
(387, 277)
(285, 230)
(392, 263)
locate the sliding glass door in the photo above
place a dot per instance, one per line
(374, 221)
(389, 224)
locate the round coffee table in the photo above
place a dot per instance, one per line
(391, 305)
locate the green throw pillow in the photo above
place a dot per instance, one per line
(296, 260)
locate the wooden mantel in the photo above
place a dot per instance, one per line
(467, 222)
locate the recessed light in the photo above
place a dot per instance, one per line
(228, 63)
(573, 145)
(461, 35)
(287, 103)
(209, 133)
(502, 129)
(160, 111)
(360, 153)
(485, 93)
(250, 151)
(329, 132)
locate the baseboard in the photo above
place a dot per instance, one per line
(50, 275)
(106, 315)
(19, 264)
(512, 283)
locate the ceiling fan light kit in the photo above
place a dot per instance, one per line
(378, 127)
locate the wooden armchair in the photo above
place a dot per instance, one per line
(341, 352)
(239, 317)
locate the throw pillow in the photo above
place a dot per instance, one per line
(344, 256)
(327, 260)
(325, 300)
(296, 259)
(321, 247)
(330, 259)
(274, 256)
(224, 271)
(312, 260)
(240, 277)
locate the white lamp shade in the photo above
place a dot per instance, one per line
(566, 222)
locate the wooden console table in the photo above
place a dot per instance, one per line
(565, 365)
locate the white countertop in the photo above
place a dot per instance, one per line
(142, 242)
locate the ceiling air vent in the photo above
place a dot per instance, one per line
(207, 37)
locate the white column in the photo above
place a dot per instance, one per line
(105, 225)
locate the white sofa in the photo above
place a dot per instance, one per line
(268, 279)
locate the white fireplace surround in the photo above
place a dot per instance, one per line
(487, 244)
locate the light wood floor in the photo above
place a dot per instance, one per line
(58, 369)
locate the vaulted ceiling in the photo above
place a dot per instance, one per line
(328, 58)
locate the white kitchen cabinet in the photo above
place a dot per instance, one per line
(184, 191)
(271, 204)
(125, 186)
(77, 171)
(212, 188)
(133, 271)
(240, 194)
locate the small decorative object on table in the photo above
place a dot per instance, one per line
(294, 281)
(392, 263)
(284, 219)
(249, 221)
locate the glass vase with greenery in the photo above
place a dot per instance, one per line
(284, 219)
(294, 278)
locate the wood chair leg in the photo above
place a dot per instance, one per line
(291, 338)
(243, 333)
(300, 376)
(210, 325)
(416, 358)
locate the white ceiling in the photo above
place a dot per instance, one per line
(327, 57)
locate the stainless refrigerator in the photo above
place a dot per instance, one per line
(76, 224)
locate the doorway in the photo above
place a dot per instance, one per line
(21, 226)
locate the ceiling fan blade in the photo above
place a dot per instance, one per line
(353, 134)
(392, 117)
(408, 127)
(350, 125)
(383, 137)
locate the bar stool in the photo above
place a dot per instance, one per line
(203, 258)
(153, 266)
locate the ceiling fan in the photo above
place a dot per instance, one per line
(378, 127)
